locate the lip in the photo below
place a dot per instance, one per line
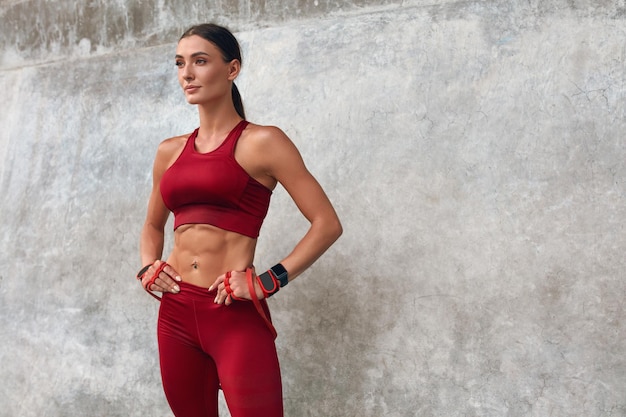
(191, 88)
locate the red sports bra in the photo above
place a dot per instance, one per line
(212, 188)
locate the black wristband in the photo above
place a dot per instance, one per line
(273, 279)
(143, 271)
(280, 273)
(269, 283)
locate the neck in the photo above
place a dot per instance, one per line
(217, 119)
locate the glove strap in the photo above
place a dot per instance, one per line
(257, 302)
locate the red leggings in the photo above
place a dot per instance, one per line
(204, 346)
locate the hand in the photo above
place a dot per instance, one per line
(238, 286)
(165, 281)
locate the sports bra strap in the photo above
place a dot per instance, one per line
(233, 137)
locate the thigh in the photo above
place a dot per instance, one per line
(189, 375)
(248, 365)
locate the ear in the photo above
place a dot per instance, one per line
(234, 67)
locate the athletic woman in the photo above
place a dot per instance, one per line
(214, 330)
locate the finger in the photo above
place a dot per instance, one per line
(218, 296)
(166, 269)
(145, 282)
(217, 282)
(165, 284)
(222, 293)
(149, 281)
(230, 297)
(145, 278)
(172, 273)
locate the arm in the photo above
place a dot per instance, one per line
(285, 164)
(153, 232)
(278, 160)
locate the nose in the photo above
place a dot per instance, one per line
(187, 74)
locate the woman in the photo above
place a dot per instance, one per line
(213, 329)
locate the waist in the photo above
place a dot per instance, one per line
(197, 291)
(226, 218)
(202, 252)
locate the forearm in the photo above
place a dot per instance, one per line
(151, 244)
(320, 236)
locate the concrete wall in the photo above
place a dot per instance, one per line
(475, 153)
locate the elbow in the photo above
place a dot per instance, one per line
(327, 229)
(336, 229)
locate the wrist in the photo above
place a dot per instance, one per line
(280, 273)
(143, 271)
(272, 280)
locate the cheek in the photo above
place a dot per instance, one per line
(210, 76)
(214, 74)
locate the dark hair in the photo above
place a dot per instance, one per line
(227, 44)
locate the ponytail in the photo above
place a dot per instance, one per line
(237, 102)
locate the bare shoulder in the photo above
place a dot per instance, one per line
(169, 149)
(270, 151)
(167, 152)
(173, 144)
(266, 139)
(261, 134)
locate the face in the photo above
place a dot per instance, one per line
(202, 72)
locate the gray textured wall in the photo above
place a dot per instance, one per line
(474, 150)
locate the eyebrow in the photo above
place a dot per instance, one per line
(195, 54)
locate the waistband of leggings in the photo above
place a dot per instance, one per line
(191, 290)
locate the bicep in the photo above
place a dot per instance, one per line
(288, 168)
(157, 213)
(309, 197)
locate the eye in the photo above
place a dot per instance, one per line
(179, 64)
(200, 61)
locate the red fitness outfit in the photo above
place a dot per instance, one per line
(212, 188)
(205, 346)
